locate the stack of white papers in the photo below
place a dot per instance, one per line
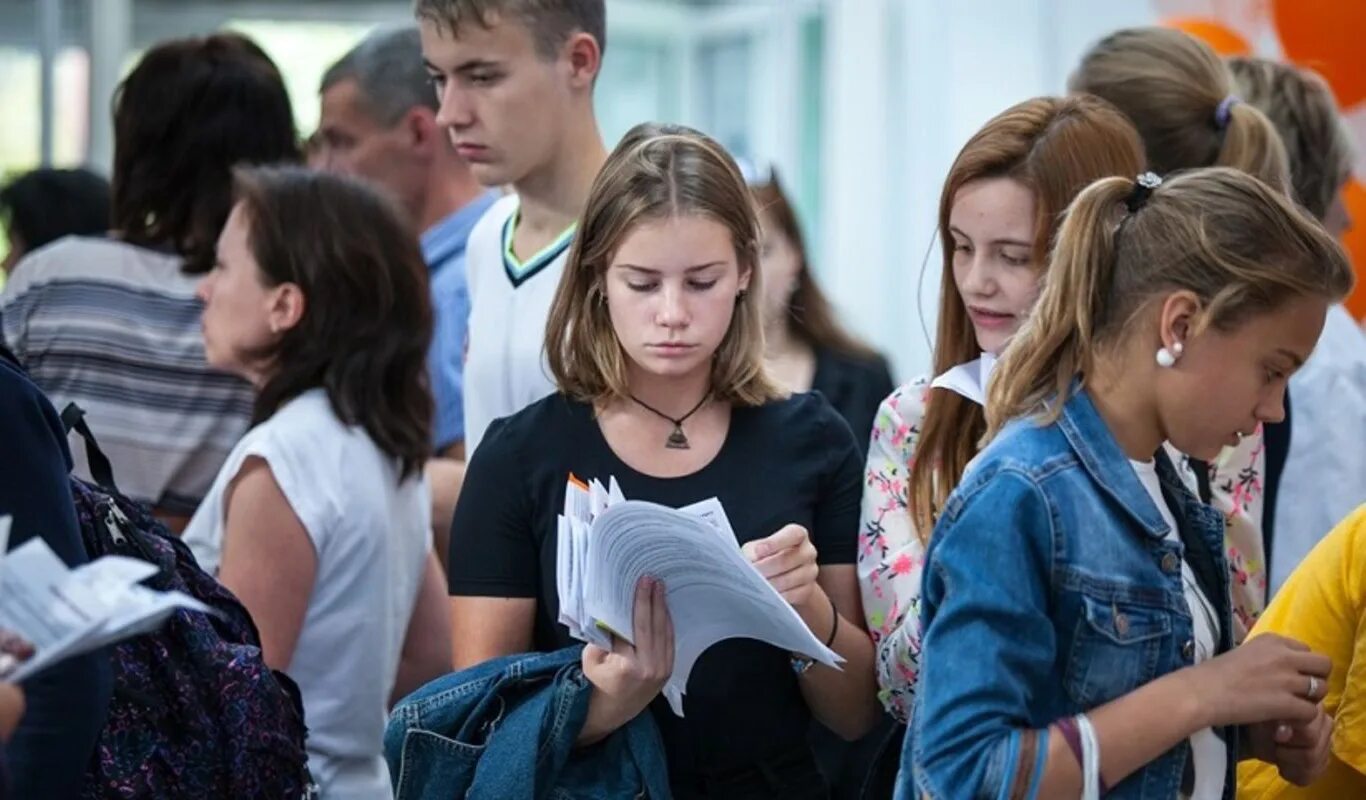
(607, 543)
(64, 612)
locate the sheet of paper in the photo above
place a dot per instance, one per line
(713, 592)
(64, 612)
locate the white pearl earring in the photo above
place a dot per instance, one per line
(1167, 358)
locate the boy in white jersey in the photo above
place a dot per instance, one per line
(515, 81)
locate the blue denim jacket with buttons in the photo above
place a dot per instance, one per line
(1050, 588)
(506, 729)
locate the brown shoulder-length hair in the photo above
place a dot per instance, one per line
(656, 172)
(810, 316)
(1055, 146)
(190, 111)
(367, 320)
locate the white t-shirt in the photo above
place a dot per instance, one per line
(505, 369)
(1208, 750)
(371, 535)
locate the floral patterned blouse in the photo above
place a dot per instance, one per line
(891, 557)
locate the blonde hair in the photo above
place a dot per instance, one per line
(1301, 106)
(1175, 90)
(1055, 147)
(656, 172)
(1242, 248)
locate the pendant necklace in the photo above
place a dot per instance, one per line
(678, 440)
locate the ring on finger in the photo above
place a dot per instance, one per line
(1313, 688)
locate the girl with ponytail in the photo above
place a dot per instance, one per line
(1076, 608)
(1182, 98)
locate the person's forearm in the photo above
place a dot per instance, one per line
(1131, 731)
(843, 700)
(604, 718)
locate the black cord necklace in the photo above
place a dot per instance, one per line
(678, 440)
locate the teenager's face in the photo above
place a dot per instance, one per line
(671, 293)
(991, 223)
(781, 264)
(504, 106)
(1229, 382)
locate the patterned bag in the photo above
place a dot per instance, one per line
(196, 713)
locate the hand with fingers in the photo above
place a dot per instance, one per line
(788, 560)
(1299, 750)
(14, 651)
(1273, 685)
(629, 676)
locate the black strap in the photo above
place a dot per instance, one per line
(1277, 440)
(73, 419)
(1201, 470)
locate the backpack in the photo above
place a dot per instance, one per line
(195, 713)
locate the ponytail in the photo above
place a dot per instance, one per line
(1057, 342)
(1178, 92)
(1251, 144)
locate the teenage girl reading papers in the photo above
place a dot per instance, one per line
(654, 341)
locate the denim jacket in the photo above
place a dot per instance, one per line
(1050, 590)
(506, 728)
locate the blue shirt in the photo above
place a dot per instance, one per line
(443, 247)
(1050, 589)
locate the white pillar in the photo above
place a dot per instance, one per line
(49, 36)
(775, 87)
(111, 39)
(856, 261)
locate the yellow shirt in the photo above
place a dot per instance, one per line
(1323, 604)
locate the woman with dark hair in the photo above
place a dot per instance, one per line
(42, 206)
(806, 348)
(112, 323)
(320, 520)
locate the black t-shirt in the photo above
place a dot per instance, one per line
(855, 386)
(790, 461)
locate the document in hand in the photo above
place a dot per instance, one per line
(64, 612)
(606, 544)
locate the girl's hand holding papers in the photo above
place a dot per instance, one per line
(628, 677)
